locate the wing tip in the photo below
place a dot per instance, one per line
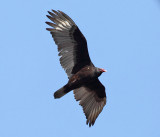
(48, 16)
(49, 29)
(49, 23)
(50, 13)
(54, 11)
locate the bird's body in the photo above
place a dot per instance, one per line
(84, 76)
(74, 58)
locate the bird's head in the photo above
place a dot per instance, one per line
(99, 71)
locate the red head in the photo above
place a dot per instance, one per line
(99, 71)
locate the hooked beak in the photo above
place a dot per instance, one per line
(103, 70)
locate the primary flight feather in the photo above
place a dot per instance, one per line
(74, 58)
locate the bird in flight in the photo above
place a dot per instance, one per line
(74, 58)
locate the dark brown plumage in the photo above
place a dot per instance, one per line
(74, 58)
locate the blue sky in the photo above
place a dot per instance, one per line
(123, 37)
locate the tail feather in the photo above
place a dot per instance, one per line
(60, 93)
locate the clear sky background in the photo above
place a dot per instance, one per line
(123, 37)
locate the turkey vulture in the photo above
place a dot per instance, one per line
(74, 58)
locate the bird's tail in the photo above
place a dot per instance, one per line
(61, 92)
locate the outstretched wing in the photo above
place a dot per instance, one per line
(72, 45)
(92, 98)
